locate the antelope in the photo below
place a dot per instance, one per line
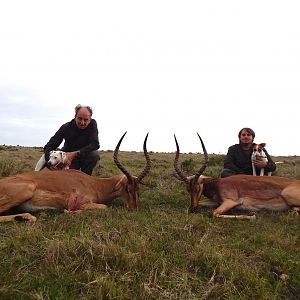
(69, 190)
(244, 192)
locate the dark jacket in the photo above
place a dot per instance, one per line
(239, 161)
(85, 140)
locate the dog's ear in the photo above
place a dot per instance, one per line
(254, 145)
(263, 145)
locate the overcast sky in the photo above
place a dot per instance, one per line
(161, 67)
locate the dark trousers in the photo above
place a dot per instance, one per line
(227, 172)
(87, 163)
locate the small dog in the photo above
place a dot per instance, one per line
(57, 160)
(258, 150)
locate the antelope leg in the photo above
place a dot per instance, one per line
(241, 217)
(18, 217)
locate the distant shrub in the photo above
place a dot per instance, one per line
(12, 148)
(216, 160)
(98, 170)
(213, 172)
(5, 167)
(188, 166)
(10, 167)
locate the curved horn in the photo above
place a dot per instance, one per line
(117, 162)
(203, 167)
(148, 165)
(177, 170)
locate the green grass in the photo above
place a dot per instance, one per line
(157, 252)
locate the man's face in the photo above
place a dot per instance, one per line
(83, 118)
(246, 137)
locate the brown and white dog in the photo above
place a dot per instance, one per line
(258, 151)
(57, 160)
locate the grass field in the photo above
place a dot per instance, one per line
(156, 252)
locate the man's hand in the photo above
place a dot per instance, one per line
(70, 156)
(260, 162)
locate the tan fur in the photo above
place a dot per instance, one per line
(248, 192)
(69, 190)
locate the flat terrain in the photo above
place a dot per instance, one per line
(157, 252)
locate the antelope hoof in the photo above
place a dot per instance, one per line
(217, 213)
(25, 218)
(72, 211)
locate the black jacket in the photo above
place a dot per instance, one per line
(85, 140)
(239, 161)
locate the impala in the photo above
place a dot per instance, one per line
(243, 192)
(69, 190)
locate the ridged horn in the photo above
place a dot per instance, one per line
(177, 170)
(203, 167)
(148, 165)
(117, 162)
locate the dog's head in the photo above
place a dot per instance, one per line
(57, 159)
(258, 150)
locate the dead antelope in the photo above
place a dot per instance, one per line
(68, 189)
(244, 192)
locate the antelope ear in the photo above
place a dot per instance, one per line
(119, 184)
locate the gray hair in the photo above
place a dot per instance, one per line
(78, 106)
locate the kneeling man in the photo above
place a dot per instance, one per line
(81, 141)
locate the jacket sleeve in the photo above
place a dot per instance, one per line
(229, 162)
(271, 166)
(54, 141)
(93, 140)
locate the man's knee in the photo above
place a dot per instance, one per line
(94, 156)
(227, 172)
(89, 162)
